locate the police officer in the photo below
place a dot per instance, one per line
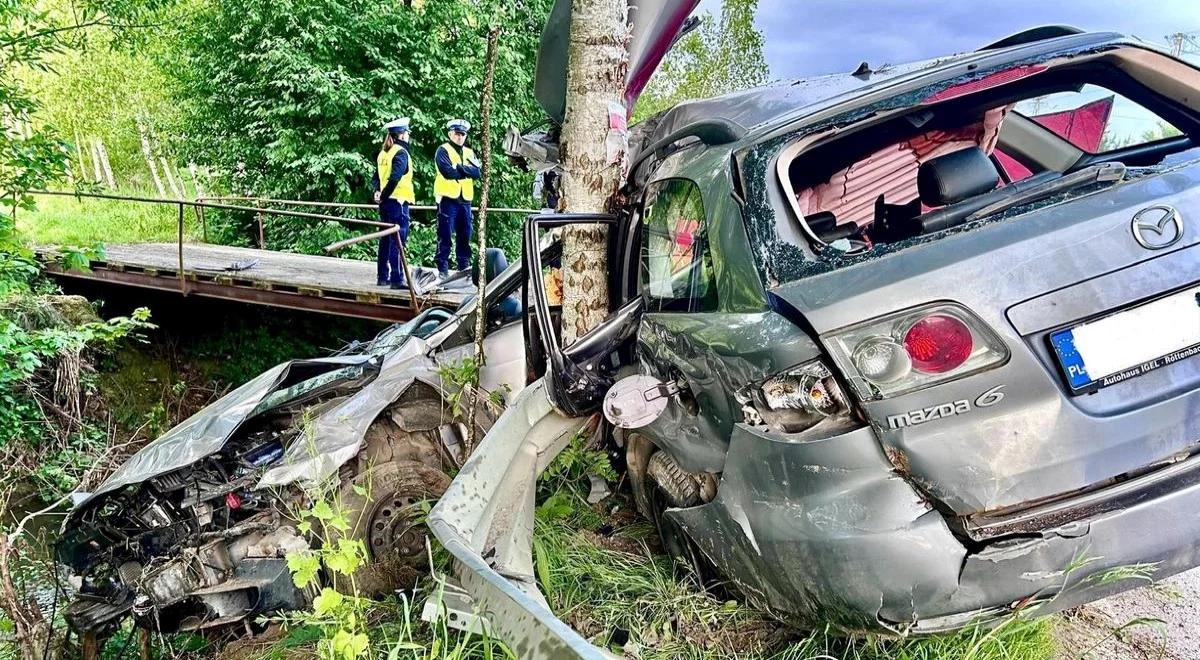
(454, 188)
(394, 194)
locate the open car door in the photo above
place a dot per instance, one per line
(486, 517)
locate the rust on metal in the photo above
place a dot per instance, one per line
(305, 282)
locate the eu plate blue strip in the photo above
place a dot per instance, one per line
(1063, 342)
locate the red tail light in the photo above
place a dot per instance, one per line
(916, 348)
(938, 343)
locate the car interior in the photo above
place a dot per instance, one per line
(975, 150)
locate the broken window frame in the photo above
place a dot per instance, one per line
(1121, 67)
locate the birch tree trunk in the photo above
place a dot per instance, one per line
(597, 59)
(171, 178)
(149, 156)
(108, 174)
(99, 176)
(83, 170)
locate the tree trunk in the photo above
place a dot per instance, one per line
(95, 163)
(83, 170)
(485, 136)
(149, 156)
(108, 174)
(596, 63)
(193, 170)
(171, 178)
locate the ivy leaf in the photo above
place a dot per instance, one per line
(348, 645)
(304, 566)
(322, 511)
(328, 602)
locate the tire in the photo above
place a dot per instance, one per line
(389, 520)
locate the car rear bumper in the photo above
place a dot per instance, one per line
(826, 529)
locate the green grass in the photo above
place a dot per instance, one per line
(600, 590)
(84, 222)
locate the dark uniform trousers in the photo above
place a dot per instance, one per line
(454, 217)
(392, 211)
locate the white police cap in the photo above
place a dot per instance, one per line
(458, 125)
(397, 125)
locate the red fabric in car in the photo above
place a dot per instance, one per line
(1083, 127)
(892, 171)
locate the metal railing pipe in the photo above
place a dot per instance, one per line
(348, 205)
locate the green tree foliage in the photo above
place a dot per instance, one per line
(108, 88)
(36, 337)
(285, 98)
(719, 57)
(33, 154)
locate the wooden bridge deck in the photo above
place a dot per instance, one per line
(297, 281)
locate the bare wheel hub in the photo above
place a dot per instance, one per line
(395, 530)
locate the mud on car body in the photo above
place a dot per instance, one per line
(918, 345)
(193, 530)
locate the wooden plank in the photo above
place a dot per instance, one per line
(243, 294)
(282, 273)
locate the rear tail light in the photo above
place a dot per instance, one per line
(938, 343)
(910, 350)
(794, 400)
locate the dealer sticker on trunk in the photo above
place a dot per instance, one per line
(1129, 344)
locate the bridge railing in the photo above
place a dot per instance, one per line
(265, 203)
(261, 207)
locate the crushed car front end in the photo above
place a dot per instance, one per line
(193, 531)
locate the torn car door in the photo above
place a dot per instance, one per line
(655, 25)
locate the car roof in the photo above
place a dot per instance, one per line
(761, 108)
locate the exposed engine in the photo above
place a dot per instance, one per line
(200, 546)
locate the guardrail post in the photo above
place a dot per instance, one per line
(408, 276)
(258, 217)
(203, 218)
(182, 279)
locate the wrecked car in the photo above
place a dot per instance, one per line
(902, 349)
(192, 531)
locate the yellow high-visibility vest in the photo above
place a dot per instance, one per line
(452, 188)
(404, 188)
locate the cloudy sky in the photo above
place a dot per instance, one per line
(807, 37)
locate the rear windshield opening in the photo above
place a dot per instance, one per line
(942, 166)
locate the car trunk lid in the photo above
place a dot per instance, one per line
(1040, 269)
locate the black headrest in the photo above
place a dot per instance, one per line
(956, 176)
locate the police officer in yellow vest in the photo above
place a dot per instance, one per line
(454, 188)
(393, 188)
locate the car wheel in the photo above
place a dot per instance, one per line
(385, 506)
(669, 487)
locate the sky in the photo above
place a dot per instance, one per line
(809, 37)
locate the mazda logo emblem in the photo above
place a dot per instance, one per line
(1157, 227)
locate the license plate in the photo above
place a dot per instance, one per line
(1128, 344)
